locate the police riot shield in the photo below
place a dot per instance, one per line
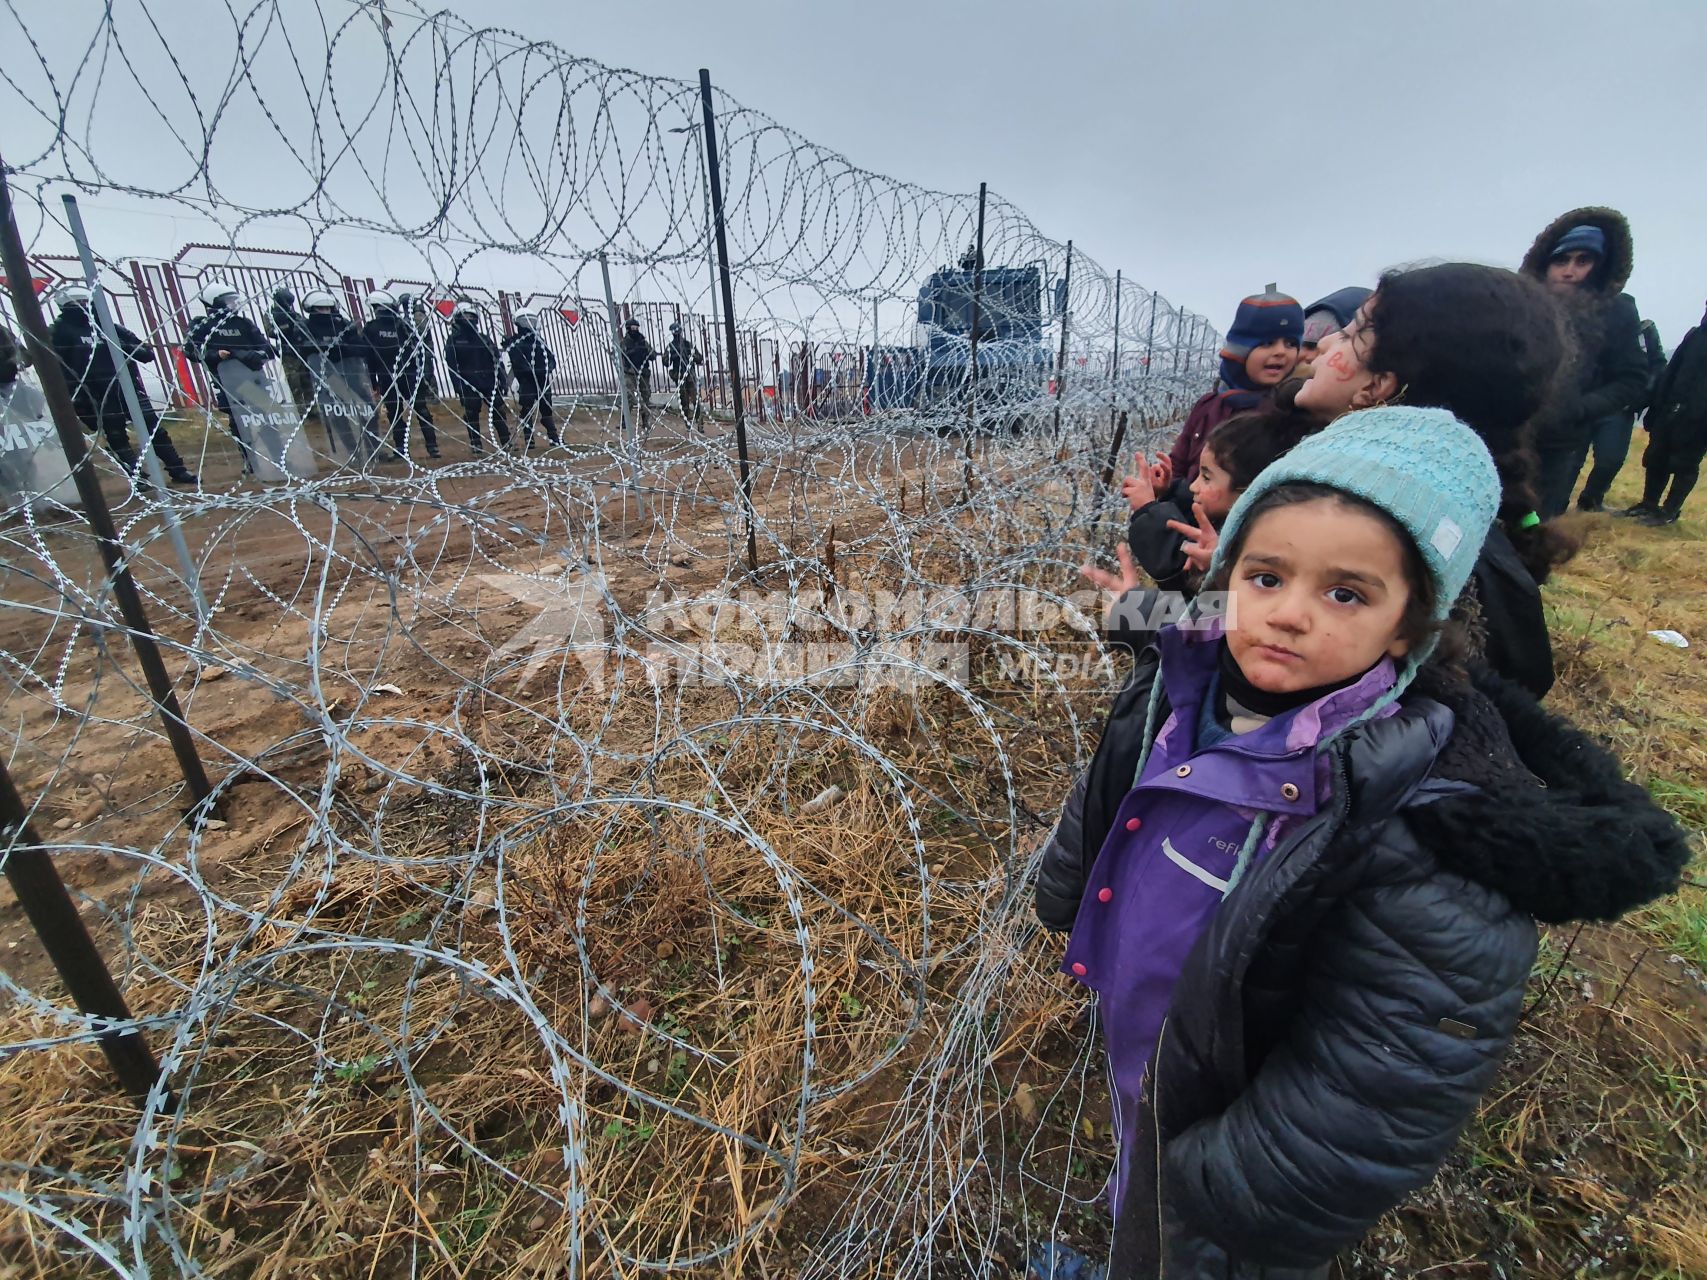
(34, 473)
(346, 409)
(272, 432)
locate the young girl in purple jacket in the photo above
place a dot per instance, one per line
(1303, 870)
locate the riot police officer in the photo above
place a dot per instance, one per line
(532, 363)
(95, 387)
(224, 333)
(477, 374)
(397, 363)
(284, 326)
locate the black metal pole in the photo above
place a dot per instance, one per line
(54, 916)
(58, 396)
(728, 291)
(1107, 477)
(1114, 365)
(1150, 341)
(972, 355)
(1061, 359)
(1149, 357)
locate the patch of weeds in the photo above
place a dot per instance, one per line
(942, 822)
(1683, 800)
(1680, 1087)
(1680, 921)
(851, 1007)
(359, 1070)
(625, 1135)
(676, 1077)
(1568, 623)
(462, 1233)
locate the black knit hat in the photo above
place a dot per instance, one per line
(1261, 319)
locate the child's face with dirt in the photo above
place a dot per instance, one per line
(1319, 596)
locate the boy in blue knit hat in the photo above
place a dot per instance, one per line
(1301, 882)
(1260, 352)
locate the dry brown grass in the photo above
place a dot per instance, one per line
(953, 1067)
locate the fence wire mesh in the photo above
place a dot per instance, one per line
(582, 898)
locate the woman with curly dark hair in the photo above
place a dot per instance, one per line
(1489, 345)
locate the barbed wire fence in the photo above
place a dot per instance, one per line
(618, 844)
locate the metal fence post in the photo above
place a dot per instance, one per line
(43, 896)
(729, 314)
(977, 300)
(1061, 358)
(1114, 363)
(133, 403)
(113, 552)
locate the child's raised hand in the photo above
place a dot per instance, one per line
(1201, 539)
(1138, 488)
(1162, 472)
(1116, 584)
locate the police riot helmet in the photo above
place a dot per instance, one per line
(382, 298)
(524, 320)
(319, 300)
(675, 328)
(73, 295)
(284, 296)
(633, 324)
(216, 292)
(465, 308)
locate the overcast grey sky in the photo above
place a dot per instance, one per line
(1205, 148)
(1208, 148)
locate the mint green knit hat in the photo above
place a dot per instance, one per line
(1423, 467)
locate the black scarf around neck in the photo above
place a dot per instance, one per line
(1234, 688)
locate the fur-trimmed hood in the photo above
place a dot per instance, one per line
(1620, 249)
(1552, 824)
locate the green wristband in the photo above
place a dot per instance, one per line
(1529, 521)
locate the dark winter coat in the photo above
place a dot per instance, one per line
(1207, 414)
(1510, 628)
(396, 351)
(13, 357)
(1655, 352)
(531, 361)
(1159, 550)
(1335, 1027)
(88, 365)
(1608, 373)
(637, 353)
(1678, 414)
(476, 370)
(287, 327)
(332, 335)
(680, 356)
(224, 330)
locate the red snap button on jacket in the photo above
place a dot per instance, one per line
(1078, 969)
(1105, 895)
(1132, 824)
